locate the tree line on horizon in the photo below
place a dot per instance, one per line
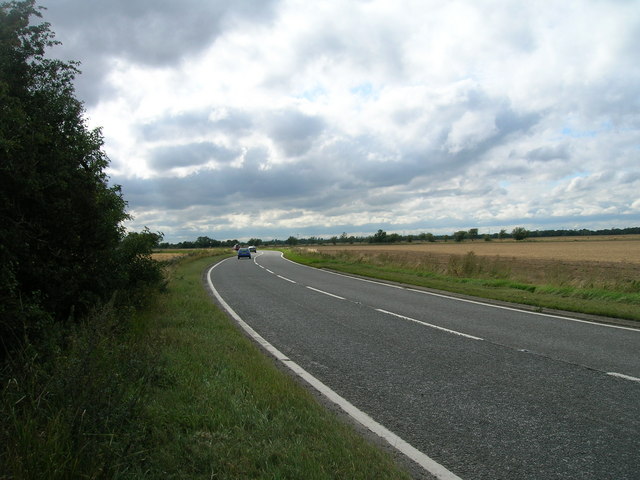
(381, 236)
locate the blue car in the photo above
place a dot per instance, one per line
(244, 252)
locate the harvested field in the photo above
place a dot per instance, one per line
(612, 263)
(585, 249)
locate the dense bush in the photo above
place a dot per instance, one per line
(73, 375)
(63, 248)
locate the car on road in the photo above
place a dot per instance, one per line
(244, 252)
(253, 249)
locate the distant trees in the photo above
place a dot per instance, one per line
(379, 237)
(460, 235)
(519, 233)
(382, 236)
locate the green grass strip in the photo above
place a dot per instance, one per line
(590, 301)
(223, 410)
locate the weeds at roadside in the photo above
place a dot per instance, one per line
(75, 415)
(171, 391)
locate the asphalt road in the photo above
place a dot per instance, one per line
(487, 392)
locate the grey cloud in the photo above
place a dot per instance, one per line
(285, 186)
(196, 123)
(548, 153)
(151, 32)
(293, 131)
(164, 158)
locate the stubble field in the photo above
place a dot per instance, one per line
(590, 274)
(621, 249)
(611, 262)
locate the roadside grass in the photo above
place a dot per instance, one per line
(491, 278)
(225, 411)
(170, 391)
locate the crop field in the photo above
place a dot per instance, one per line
(624, 249)
(610, 263)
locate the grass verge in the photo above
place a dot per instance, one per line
(171, 391)
(594, 301)
(228, 412)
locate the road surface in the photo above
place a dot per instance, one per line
(481, 391)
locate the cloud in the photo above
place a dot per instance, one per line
(278, 117)
(293, 131)
(149, 32)
(174, 156)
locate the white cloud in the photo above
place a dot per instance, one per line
(250, 116)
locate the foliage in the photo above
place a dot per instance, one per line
(519, 233)
(60, 220)
(379, 237)
(80, 414)
(460, 235)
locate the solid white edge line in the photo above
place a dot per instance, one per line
(394, 440)
(622, 375)
(326, 293)
(466, 335)
(476, 302)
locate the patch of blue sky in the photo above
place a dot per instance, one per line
(570, 132)
(603, 127)
(313, 94)
(364, 90)
(565, 180)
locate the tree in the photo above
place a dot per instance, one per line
(292, 241)
(473, 233)
(519, 233)
(60, 221)
(503, 234)
(379, 237)
(459, 235)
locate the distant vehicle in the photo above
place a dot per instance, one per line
(236, 247)
(253, 249)
(244, 252)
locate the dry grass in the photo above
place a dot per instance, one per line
(163, 257)
(574, 249)
(610, 263)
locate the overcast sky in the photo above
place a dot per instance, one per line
(270, 118)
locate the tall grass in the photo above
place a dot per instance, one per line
(70, 410)
(171, 391)
(605, 289)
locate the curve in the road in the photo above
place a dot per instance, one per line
(358, 415)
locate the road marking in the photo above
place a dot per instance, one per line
(285, 278)
(622, 375)
(358, 415)
(476, 302)
(429, 324)
(326, 293)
